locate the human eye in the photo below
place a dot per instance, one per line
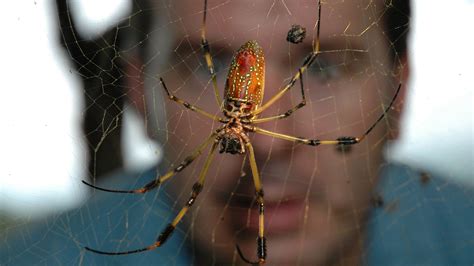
(326, 69)
(220, 60)
(339, 66)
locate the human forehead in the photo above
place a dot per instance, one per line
(263, 20)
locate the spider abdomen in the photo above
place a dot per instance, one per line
(246, 78)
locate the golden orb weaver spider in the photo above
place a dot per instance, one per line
(242, 105)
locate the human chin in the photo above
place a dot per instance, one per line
(319, 239)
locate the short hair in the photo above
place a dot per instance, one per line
(397, 24)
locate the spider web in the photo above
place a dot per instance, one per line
(322, 202)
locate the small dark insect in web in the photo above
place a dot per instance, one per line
(296, 34)
(377, 200)
(424, 178)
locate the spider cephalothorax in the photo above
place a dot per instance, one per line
(234, 134)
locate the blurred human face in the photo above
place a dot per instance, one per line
(316, 198)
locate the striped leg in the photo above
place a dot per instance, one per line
(159, 180)
(207, 55)
(169, 229)
(287, 113)
(306, 64)
(316, 142)
(261, 241)
(188, 105)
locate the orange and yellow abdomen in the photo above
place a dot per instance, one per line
(246, 79)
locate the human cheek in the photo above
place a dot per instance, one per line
(340, 107)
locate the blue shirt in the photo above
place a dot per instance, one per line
(419, 223)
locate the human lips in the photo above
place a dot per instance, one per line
(281, 215)
(286, 195)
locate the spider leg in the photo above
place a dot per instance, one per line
(289, 112)
(160, 179)
(188, 105)
(311, 142)
(307, 63)
(261, 241)
(316, 142)
(207, 55)
(169, 229)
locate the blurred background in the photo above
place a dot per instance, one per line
(44, 152)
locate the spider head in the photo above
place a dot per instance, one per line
(231, 144)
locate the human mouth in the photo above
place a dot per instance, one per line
(284, 215)
(281, 216)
